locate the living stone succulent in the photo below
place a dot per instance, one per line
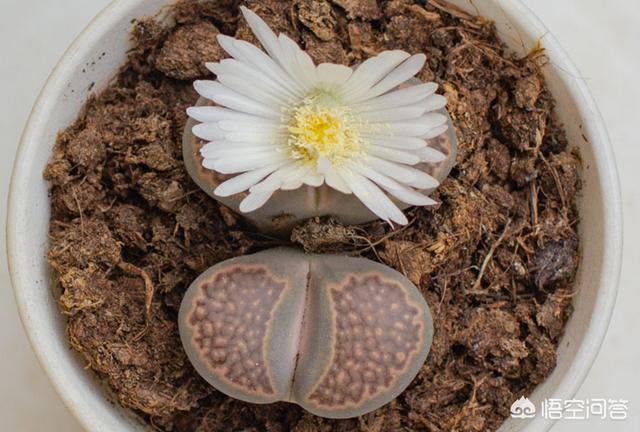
(339, 336)
(280, 139)
(286, 208)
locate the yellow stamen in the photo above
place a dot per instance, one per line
(316, 130)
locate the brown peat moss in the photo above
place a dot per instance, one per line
(495, 260)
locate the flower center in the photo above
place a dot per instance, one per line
(323, 130)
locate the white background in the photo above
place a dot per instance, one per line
(602, 37)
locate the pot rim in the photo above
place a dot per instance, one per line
(115, 11)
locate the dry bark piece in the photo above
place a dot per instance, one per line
(324, 51)
(339, 336)
(317, 16)
(526, 92)
(556, 261)
(499, 159)
(87, 149)
(185, 52)
(408, 257)
(363, 37)
(365, 9)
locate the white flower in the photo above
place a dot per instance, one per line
(281, 122)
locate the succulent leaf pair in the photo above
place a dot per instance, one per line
(339, 336)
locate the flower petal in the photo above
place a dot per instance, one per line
(298, 63)
(215, 114)
(437, 131)
(394, 155)
(247, 72)
(258, 59)
(281, 48)
(403, 193)
(374, 175)
(245, 163)
(411, 197)
(416, 128)
(208, 131)
(430, 155)
(334, 180)
(403, 97)
(224, 96)
(249, 136)
(333, 74)
(403, 173)
(261, 126)
(296, 179)
(239, 145)
(264, 34)
(228, 44)
(251, 90)
(244, 181)
(401, 74)
(275, 179)
(216, 151)
(373, 198)
(433, 103)
(254, 201)
(372, 71)
(314, 180)
(400, 142)
(393, 114)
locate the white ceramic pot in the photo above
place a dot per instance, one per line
(68, 88)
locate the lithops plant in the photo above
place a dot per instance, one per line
(339, 336)
(280, 139)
